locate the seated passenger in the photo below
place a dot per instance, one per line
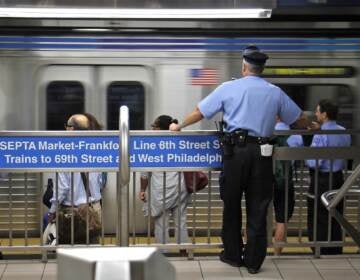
(326, 113)
(171, 207)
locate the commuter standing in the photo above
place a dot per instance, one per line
(283, 199)
(173, 206)
(250, 106)
(94, 182)
(326, 114)
(294, 140)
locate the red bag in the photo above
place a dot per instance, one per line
(201, 181)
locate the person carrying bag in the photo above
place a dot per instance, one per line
(83, 214)
(200, 178)
(77, 198)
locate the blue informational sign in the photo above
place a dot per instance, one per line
(69, 152)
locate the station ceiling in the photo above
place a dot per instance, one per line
(287, 16)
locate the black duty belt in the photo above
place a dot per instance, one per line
(240, 137)
(257, 140)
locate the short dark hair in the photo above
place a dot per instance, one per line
(329, 107)
(163, 122)
(256, 69)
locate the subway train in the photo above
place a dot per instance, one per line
(46, 78)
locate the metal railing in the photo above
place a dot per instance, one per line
(129, 227)
(332, 198)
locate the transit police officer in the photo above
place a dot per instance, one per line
(250, 106)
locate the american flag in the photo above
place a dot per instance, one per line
(203, 77)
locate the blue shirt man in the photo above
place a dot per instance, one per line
(326, 114)
(334, 140)
(259, 103)
(249, 106)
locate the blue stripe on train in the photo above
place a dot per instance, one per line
(32, 39)
(206, 44)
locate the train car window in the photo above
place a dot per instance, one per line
(308, 96)
(130, 94)
(63, 99)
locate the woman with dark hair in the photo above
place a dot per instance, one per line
(173, 206)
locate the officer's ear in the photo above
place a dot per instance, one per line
(243, 67)
(326, 117)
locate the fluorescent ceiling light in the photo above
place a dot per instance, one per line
(71, 13)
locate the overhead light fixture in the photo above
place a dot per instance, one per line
(92, 29)
(71, 13)
(113, 29)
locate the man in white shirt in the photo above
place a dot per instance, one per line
(80, 195)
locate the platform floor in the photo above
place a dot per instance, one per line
(284, 267)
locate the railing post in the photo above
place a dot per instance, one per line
(123, 178)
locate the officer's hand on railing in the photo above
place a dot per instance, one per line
(142, 196)
(174, 127)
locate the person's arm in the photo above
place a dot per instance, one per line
(192, 118)
(143, 186)
(63, 189)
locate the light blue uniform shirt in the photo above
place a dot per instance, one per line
(250, 103)
(64, 187)
(281, 126)
(334, 140)
(293, 140)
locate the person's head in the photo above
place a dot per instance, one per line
(253, 61)
(326, 110)
(77, 122)
(85, 121)
(93, 122)
(163, 122)
(310, 116)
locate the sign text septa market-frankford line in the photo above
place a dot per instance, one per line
(103, 151)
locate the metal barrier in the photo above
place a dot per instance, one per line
(22, 210)
(350, 205)
(333, 197)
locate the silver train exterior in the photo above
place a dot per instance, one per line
(45, 79)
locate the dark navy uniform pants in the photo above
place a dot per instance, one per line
(322, 217)
(246, 171)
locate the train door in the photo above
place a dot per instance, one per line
(128, 86)
(98, 89)
(124, 86)
(63, 91)
(68, 89)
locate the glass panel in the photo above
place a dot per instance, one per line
(130, 94)
(308, 96)
(63, 99)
